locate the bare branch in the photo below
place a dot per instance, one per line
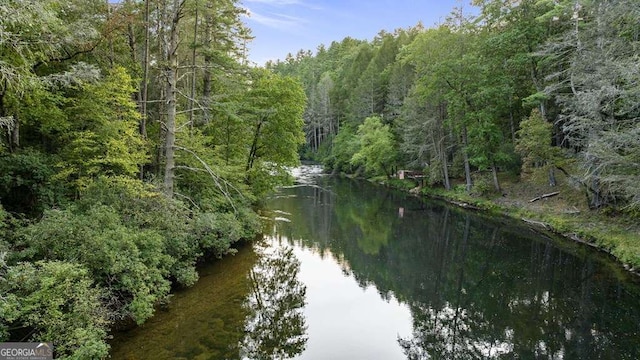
(188, 198)
(216, 179)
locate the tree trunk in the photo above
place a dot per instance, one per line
(15, 133)
(111, 49)
(171, 75)
(494, 172)
(467, 167)
(206, 76)
(552, 176)
(596, 200)
(193, 73)
(443, 146)
(145, 73)
(254, 147)
(445, 171)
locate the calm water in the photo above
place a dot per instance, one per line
(351, 271)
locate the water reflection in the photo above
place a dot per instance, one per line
(275, 328)
(356, 272)
(202, 322)
(248, 306)
(476, 287)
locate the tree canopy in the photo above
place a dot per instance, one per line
(134, 140)
(522, 85)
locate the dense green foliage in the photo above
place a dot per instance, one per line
(127, 155)
(523, 84)
(375, 147)
(134, 137)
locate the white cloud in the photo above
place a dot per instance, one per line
(274, 20)
(281, 3)
(275, 2)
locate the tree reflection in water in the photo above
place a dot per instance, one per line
(477, 287)
(453, 329)
(275, 327)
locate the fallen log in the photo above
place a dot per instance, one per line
(537, 224)
(464, 205)
(572, 211)
(544, 196)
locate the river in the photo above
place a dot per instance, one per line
(347, 270)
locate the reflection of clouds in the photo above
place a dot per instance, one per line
(541, 301)
(446, 333)
(542, 350)
(307, 174)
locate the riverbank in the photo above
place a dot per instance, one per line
(559, 210)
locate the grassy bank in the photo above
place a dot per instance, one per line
(565, 213)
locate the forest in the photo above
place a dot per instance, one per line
(533, 88)
(135, 140)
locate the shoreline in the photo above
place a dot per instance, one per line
(538, 222)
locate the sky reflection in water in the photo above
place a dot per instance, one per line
(363, 273)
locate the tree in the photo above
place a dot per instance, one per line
(171, 15)
(343, 147)
(597, 90)
(376, 147)
(37, 37)
(426, 141)
(26, 184)
(443, 77)
(319, 117)
(401, 80)
(275, 118)
(534, 144)
(103, 138)
(221, 42)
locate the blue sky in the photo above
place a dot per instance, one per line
(286, 26)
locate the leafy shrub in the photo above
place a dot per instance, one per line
(483, 185)
(217, 232)
(59, 303)
(186, 233)
(460, 189)
(131, 264)
(141, 206)
(131, 240)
